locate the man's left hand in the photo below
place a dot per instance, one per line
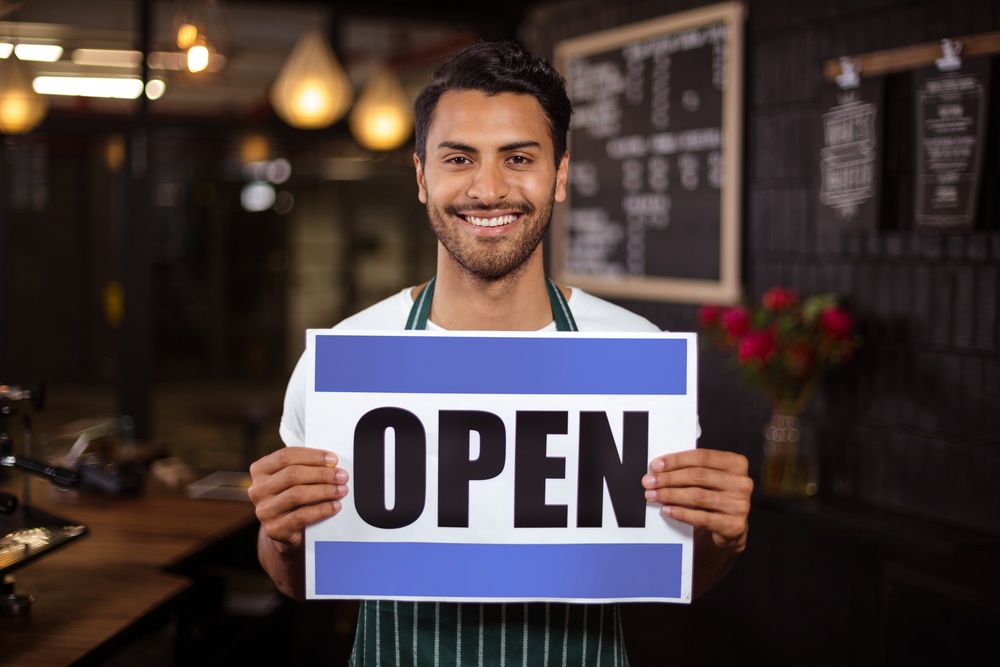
(709, 490)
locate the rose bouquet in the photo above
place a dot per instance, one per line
(786, 344)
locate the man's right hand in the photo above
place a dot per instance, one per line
(295, 487)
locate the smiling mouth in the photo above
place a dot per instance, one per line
(498, 221)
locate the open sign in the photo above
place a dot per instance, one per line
(500, 466)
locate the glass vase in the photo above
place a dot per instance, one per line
(790, 467)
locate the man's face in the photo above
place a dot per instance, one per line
(489, 180)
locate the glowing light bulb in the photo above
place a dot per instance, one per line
(197, 58)
(186, 36)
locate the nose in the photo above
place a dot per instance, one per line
(489, 184)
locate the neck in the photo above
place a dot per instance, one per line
(518, 302)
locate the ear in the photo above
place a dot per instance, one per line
(422, 189)
(562, 176)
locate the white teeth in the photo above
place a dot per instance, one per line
(491, 222)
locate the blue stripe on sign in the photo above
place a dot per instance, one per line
(484, 571)
(498, 365)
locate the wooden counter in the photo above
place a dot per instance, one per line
(92, 590)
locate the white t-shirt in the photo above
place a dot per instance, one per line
(590, 313)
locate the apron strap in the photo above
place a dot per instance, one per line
(560, 309)
(421, 309)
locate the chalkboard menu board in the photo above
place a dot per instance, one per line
(850, 157)
(653, 207)
(951, 123)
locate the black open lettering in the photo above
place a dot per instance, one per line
(369, 468)
(455, 467)
(532, 467)
(599, 462)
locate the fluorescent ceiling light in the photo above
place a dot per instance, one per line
(43, 53)
(106, 57)
(5, 49)
(82, 86)
(167, 60)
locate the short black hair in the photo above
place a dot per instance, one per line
(494, 68)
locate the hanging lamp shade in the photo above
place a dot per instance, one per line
(21, 108)
(311, 91)
(383, 117)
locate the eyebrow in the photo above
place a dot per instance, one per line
(517, 145)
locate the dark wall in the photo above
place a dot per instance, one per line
(914, 425)
(218, 301)
(48, 251)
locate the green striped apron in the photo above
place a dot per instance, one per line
(421, 309)
(425, 634)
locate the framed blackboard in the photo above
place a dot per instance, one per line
(951, 114)
(655, 159)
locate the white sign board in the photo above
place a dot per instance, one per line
(500, 466)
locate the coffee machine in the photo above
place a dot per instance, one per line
(26, 532)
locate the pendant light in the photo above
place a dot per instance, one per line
(21, 108)
(187, 34)
(203, 35)
(383, 117)
(312, 90)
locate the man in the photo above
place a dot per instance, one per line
(491, 161)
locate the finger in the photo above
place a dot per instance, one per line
(299, 506)
(723, 527)
(704, 500)
(701, 458)
(307, 494)
(289, 499)
(287, 456)
(265, 487)
(706, 478)
(304, 475)
(288, 528)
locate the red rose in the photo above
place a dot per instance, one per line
(736, 321)
(709, 315)
(779, 298)
(758, 345)
(837, 323)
